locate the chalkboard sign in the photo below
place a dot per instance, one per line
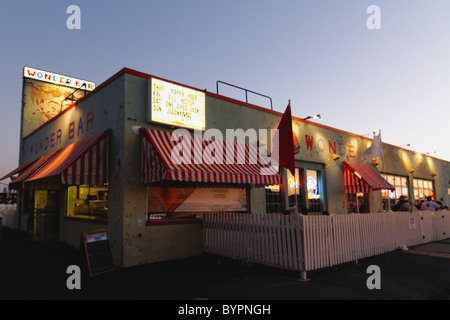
(97, 247)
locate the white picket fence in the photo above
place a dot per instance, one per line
(268, 239)
(306, 243)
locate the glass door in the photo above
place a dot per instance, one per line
(45, 215)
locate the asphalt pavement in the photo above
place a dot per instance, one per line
(39, 271)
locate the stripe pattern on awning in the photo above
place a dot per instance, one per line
(24, 174)
(83, 162)
(363, 178)
(18, 170)
(163, 158)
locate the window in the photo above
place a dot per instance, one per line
(390, 198)
(274, 202)
(422, 189)
(296, 191)
(177, 203)
(305, 190)
(273, 199)
(313, 188)
(87, 202)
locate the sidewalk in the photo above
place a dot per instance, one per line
(32, 270)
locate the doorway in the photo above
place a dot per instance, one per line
(45, 217)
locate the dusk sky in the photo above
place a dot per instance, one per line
(319, 54)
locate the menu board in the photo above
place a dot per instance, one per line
(98, 251)
(176, 105)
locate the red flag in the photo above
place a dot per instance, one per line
(283, 142)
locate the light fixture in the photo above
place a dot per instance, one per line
(316, 117)
(411, 170)
(335, 157)
(433, 174)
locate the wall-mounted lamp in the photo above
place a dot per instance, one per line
(411, 170)
(316, 117)
(335, 157)
(433, 175)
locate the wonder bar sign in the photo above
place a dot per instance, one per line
(57, 79)
(176, 105)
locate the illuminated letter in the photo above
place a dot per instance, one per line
(351, 151)
(332, 147)
(58, 136)
(374, 281)
(309, 142)
(374, 21)
(321, 145)
(71, 130)
(74, 21)
(90, 120)
(80, 127)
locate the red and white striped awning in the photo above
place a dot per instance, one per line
(25, 171)
(18, 170)
(176, 157)
(359, 177)
(83, 162)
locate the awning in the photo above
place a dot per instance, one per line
(175, 157)
(364, 178)
(82, 162)
(18, 170)
(25, 171)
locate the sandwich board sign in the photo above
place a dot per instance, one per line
(97, 248)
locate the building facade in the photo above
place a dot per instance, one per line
(105, 162)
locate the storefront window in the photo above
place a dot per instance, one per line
(422, 189)
(390, 198)
(304, 191)
(274, 202)
(358, 202)
(313, 189)
(273, 199)
(296, 191)
(87, 202)
(172, 203)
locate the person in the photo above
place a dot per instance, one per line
(430, 205)
(402, 205)
(305, 211)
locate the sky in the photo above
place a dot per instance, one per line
(320, 54)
